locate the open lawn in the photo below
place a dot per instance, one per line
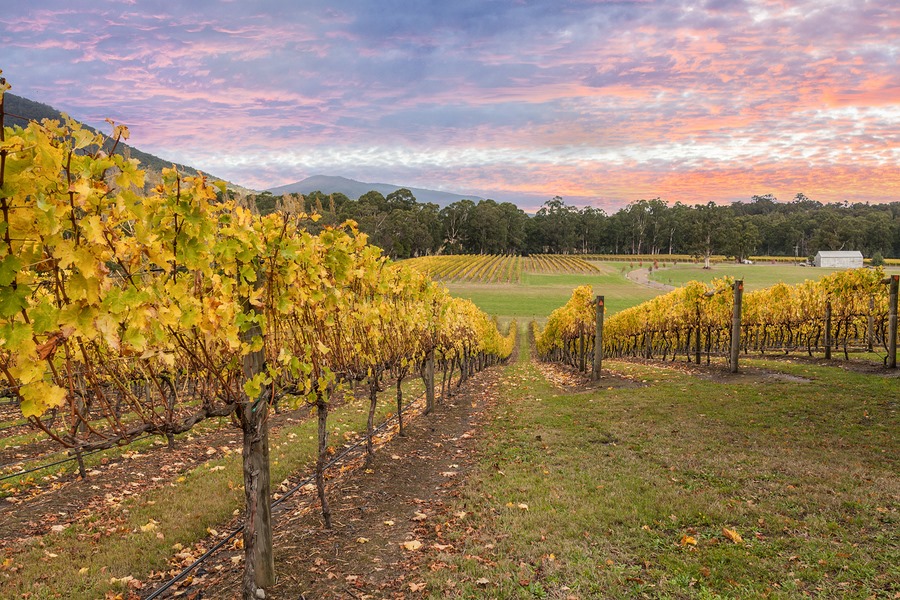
(780, 483)
(539, 294)
(754, 276)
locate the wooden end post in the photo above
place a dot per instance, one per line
(598, 340)
(892, 322)
(259, 568)
(736, 325)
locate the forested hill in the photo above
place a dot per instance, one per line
(20, 110)
(405, 227)
(354, 189)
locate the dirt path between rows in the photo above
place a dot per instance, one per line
(642, 277)
(404, 497)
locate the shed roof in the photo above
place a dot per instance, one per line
(840, 254)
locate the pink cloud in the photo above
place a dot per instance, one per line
(592, 100)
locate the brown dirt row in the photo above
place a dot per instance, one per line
(63, 499)
(403, 496)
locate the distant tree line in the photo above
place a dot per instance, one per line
(405, 228)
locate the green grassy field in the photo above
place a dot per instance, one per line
(754, 276)
(536, 295)
(643, 491)
(539, 294)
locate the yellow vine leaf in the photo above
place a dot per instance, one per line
(732, 535)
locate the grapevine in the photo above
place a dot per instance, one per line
(126, 314)
(695, 320)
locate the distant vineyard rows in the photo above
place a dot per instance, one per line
(498, 268)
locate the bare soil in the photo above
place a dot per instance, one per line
(402, 497)
(63, 499)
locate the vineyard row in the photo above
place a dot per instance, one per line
(848, 310)
(498, 268)
(130, 313)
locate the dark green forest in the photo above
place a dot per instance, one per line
(763, 225)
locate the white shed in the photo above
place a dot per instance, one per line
(852, 259)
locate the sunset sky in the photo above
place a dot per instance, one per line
(601, 103)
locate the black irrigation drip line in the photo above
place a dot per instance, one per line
(309, 479)
(88, 453)
(24, 460)
(47, 466)
(59, 462)
(21, 424)
(195, 564)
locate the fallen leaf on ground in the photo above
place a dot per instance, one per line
(732, 535)
(361, 540)
(150, 526)
(411, 545)
(687, 540)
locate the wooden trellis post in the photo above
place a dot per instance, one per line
(581, 357)
(894, 282)
(429, 382)
(598, 340)
(698, 349)
(259, 569)
(870, 325)
(828, 330)
(736, 325)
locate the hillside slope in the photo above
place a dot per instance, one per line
(354, 189)
(20, 110)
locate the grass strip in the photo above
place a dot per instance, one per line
(643, 491)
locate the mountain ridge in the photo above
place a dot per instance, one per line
(19, 110)
(353, 189)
